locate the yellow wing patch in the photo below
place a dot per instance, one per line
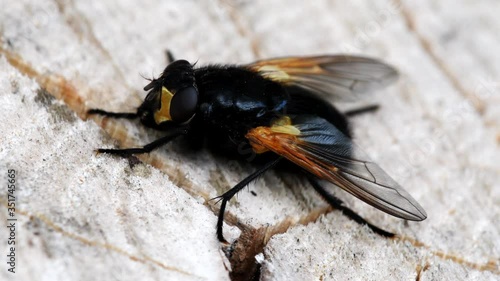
(264, 138)
(338, 76)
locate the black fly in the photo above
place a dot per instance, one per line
(278, 110)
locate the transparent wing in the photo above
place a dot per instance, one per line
(339, 77)
(320, 148)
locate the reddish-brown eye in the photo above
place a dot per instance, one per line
(183, 104)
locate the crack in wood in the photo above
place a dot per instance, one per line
(54, 84)
(420, 269)
(236, 19)
(84, 30)
(92, 243)
(429, 50)
(492, 265)
(253, 240)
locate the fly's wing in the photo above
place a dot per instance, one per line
(341, 77)
(320, 148)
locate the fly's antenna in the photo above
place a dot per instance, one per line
(151, 81)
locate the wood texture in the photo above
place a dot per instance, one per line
(83, 216)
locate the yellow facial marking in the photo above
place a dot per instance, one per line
(163, 114)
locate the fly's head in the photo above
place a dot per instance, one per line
(173, 97)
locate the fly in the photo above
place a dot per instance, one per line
(278, 111)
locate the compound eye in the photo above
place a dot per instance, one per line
(183, 104)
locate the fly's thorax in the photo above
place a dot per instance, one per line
(234, 94)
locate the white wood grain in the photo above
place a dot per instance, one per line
(91, 217)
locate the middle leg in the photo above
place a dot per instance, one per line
(230, 193)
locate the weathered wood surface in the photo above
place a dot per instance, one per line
(83, 216)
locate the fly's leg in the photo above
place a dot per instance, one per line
(148, 147)
(230, 193)
(361, 110)
(123, 115)
(170, 56)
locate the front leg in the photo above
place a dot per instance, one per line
(148, 147)
(124, 115)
